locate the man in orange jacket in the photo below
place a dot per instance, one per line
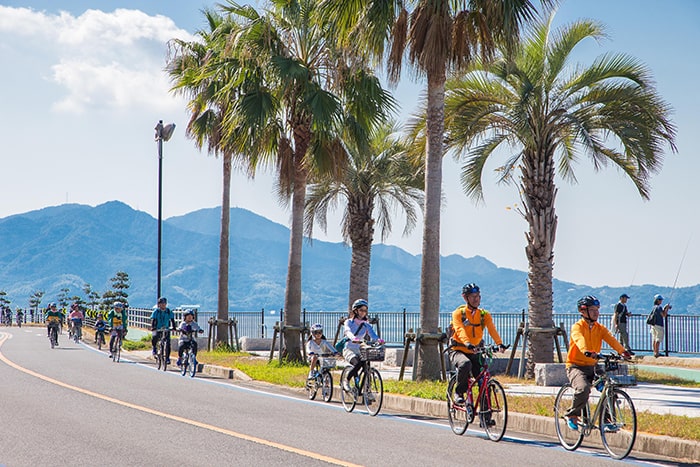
(585, 342)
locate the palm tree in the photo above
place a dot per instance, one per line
(306, 92)
(441, 36)
(200, 71)
(550, 114)
(377, 180)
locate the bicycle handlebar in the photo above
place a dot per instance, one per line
(614, 357)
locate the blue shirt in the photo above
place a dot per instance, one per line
(162, 317)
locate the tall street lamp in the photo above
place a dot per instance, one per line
(163, 133)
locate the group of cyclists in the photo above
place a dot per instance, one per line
(6, 316)
(116, 322)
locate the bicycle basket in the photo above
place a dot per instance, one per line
(372, 354)
(327, 363)
(624, 375)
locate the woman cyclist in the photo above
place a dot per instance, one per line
(316, 346)
(357, 329)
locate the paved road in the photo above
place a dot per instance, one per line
(73, 406)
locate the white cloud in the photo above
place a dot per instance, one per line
(101, 60)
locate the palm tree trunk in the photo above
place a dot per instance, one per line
(224, 245)
(292, 297)
(360, 214)
(540, 192)
(428, 365)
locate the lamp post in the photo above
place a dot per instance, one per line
(163, 133)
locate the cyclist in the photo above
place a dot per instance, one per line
(76, 319)
(19, 316)
(317, 345)
(587, 335)
(468, 322)
(117, 319)
(53, 320)
(356, 329)
(162, 318)
(187, 340)
(100, 326)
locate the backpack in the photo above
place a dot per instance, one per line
(613, 320)
(450, 331)
(651, 319)
(340, 345)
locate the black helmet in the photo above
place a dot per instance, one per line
(162, 300)
(588, 300)
(470, 288)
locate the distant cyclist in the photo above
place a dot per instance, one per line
(317, 345)
(468, 322)
(117, 319)
(53, 319)
(76, 319)
(188, 335)
(100, 326)
(587, 336)
(162, 318)
(357, 329)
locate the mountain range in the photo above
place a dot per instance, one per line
(70, 245)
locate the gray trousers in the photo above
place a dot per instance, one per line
(624, 335)
(580, 378)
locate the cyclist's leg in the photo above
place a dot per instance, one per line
(181, 347)
(167, 346)
(464, 367)
(155, 335)
(580, 378)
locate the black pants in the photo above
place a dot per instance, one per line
(186, 345)
(154, 342)
(465, 364)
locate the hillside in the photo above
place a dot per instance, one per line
(71, 244)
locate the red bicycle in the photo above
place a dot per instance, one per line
(490, 402)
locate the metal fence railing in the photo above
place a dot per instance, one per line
(682, 331)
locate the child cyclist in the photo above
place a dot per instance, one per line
(188, 335)
(316, 346)
(100, 327)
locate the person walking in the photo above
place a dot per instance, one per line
(658, 322)
(621, 314)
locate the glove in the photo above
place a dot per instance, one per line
(470, 346)
(380, 341)
(626, 355)
(502, 347)
(356, 340)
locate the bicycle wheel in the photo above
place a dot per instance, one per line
(53, 337)
(193, 364)
(164, 357)
(117, 348)
(618, 423)
(493, 411)
(456, 414)
(327, 386)
(348, 398)
(100, 341)
(568, 438)
(373, 393)
(184, 364)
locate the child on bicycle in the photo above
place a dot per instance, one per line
(117, 321)
(357, 329)
(316, 346)
(100, 326)
(188, 335)
(468, 322)
(586, 337)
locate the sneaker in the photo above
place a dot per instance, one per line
(346, 385)
(572, 422)
(153, 352)
(459, 399)
(167, 360)
(610, 428)
(483, 423)
(178, 362)
(371, 398)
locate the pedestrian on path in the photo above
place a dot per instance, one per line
(658, 322)
(621, 314)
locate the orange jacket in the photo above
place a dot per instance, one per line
(469, 328)
(585, 338)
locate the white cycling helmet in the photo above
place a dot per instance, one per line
(318, 327)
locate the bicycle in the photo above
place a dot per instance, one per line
(189, 360)
(491, 403)
(161, 346)
(53, 335)
(100, 338)
(368, 382)
(322, 378)
(615, 414)
(116, 346)
(77, 331)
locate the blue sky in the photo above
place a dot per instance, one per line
(82, 88)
